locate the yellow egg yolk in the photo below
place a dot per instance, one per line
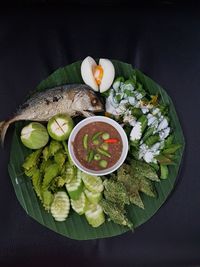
(98, 74)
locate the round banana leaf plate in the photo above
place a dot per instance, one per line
(76, 226)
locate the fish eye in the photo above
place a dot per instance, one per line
(94, 101)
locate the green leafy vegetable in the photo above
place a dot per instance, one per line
(36, 180)
(54, 147)
(30, 172)
(47, 198)
(50, 173)
(45, 164)
(60, 157)
(45, 153)
(32, 159)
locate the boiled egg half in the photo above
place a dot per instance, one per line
(99, 77)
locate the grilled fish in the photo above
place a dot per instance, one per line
(73, 99)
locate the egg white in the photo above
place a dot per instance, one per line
(108, 74)
(87, 68)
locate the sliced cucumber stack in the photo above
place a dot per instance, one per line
(75, 187)
(79, 205)
(94, 215)
(92, 183)
(93, 197)
(60, 206)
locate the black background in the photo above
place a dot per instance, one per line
(163, 40)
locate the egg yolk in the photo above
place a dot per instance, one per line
(98, 74)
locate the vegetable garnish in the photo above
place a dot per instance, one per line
(60, 127)
(60, 206)
(128, 101)
(34, 135)
(111, 141)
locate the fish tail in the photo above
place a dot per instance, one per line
(3, 129)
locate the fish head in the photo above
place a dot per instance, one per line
(95, 104)
(89, 101)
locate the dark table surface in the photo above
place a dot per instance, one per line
(164, 42)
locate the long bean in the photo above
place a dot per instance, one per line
(85, 141)
(96, 135)
(102, 152)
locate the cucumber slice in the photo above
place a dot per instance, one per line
(79, 205)
(92, 183)
(60, 206)
(75, 187)
(94, 215)
(92, 196)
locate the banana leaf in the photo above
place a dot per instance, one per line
(76, 227)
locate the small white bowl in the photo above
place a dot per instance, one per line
(120, 130)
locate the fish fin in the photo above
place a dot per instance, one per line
(87, 113)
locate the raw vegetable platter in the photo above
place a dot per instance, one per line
(163, 177)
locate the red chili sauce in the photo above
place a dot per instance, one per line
(97, 146)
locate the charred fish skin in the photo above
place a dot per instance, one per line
(73, 99)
